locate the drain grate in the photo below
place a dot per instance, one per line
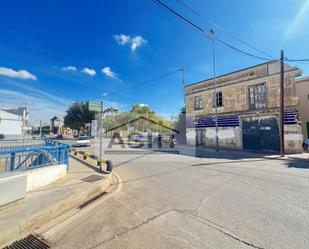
(29, 242)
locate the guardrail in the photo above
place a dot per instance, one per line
(21, 155)
(21, 143)
(86, 155)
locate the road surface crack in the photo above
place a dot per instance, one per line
(132, 228)
(216, 226)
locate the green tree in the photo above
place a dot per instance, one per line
(142, 109)
(78, 115)
(179, 124)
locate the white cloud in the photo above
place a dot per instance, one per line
(122, 39)
(41, 105)
(69, 68)
(109, 73)
(21, 74)
(89, 71)
(143, 105)
(134, 42)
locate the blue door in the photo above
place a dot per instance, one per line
(261, 134)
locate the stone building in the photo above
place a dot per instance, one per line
(302, 90)
(248, 103)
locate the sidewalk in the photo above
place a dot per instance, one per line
(42, 205)
(225, 153)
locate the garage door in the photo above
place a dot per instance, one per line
(261, 134)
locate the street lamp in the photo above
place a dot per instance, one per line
(215, 84)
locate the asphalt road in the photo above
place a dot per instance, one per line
(177, 201)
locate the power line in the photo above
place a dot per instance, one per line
(222, 29)
(297, 60)
(143, 83)
(205, 33)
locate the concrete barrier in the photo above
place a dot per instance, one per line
(40, 177)
(104, 162)
(12, 188)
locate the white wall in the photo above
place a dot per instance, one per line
(14, 186)
(42, 176)
(10, 124)
(229, 137)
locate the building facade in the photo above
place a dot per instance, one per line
(302, 90)
(248, 104)
(10, 125)
(14, 122)
(24, 114)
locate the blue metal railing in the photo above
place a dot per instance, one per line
(20, 155)
(21, 143)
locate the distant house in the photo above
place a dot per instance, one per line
(248, 104)
(10, 124)
(302, 90)
(24, 114)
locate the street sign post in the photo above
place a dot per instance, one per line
(94, 128)
(98, 107)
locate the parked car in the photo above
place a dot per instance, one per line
(2, 136)
(82, 141)
(138, 138)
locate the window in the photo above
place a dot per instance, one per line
(257, 96)
(198, 103)
(218, 99)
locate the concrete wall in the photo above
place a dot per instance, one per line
(302, 90)
(293, 139)
(14, 186)
(42, 176)
(229, 137)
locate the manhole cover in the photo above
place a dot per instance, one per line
(92, 178)
(29, 242)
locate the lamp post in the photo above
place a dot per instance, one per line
(215, 84)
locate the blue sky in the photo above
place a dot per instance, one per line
(55, 52)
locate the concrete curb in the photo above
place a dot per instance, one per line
(41, 218)
(288, 158)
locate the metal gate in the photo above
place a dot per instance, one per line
(261, 134)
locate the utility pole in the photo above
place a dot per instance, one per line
(183, 85)
(40, 128)
(215, 84)
(282, 104)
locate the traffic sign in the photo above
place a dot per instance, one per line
(94, 106)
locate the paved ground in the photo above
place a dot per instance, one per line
(176, 201)
(44, 204)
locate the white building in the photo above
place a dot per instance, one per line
(10, 124)
(23, 112)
